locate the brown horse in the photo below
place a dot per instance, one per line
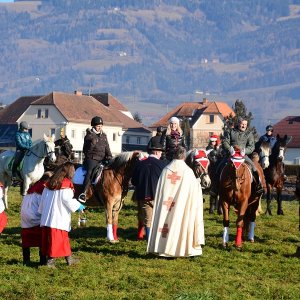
(271, 160)
(111, 188)
(237, 189)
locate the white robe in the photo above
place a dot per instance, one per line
(177, 227)
(56, 207)
(30, 216)
(2, 206)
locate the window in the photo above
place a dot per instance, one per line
(127, 139)
(42, 113)
(211, 118)
(52, 131)
(73, 135)
(114, 137)
(138, 140)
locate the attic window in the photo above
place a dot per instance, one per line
(211, 118)
(42, 113)
(290, 121)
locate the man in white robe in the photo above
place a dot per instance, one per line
(177, 228)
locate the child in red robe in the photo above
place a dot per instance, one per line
(30, 220)
(57, 204)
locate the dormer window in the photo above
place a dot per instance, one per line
(211, 119)
(43, 113)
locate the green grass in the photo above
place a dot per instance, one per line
(263, 270)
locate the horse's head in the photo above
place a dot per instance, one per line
(280, 146)
(49, 150)
(198, 161)
(264, 154)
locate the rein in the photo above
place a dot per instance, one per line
(29, 151)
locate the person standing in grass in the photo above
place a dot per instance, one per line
(145, 177)
(31, 232)
(177, 228)
(3, 217)
(57, 204)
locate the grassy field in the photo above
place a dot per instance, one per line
(265, 269)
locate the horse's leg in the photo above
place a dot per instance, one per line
(109, 208)
(225, 206)
(115, 220)
(240, 222)
(269, 195)
(279, 202)
(5, 196)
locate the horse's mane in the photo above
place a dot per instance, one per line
(265, 145)
(189, 160)
(119, 160)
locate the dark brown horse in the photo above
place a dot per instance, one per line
(271, 161)
(198, 161)
(237, 190)
(111, 188)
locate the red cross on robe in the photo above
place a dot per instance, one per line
(174, 177)
(169, 203)
(164, 231)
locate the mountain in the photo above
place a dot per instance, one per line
(154, 54)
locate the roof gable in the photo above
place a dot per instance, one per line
(11, 113)
(290, 126)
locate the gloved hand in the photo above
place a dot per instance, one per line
(81, 208)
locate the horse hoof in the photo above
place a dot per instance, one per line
(238, 247)
(280, 213)
(225, 245)
(251, 240)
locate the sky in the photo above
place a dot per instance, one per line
(6, 0)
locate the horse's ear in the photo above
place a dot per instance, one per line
(53, 137)
(288, 138)
(243, 152)
(45, 137)
(232, 151)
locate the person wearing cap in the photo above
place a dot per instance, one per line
(267, 137)
(173, 138)
(145, 177)
(96, 149)
(23, 143)
(177, 228)
(156, 138)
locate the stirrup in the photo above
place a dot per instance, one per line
(82, 198)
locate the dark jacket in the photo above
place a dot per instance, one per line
(23, 140)
(171, 143)
(265, 138)
(242, 139)
(145, 177)
(96, 146)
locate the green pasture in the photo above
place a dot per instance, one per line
(265, 269)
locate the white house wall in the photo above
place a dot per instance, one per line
(75, 131)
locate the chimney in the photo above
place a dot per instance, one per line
(78, 93)
(205, 101)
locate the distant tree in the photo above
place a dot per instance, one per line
(137, 117)
(240, 110)
(185, 124)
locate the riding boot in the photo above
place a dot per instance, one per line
(26, 256)
(259, 188)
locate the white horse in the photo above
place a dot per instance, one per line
(32, 167)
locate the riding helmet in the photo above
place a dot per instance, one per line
(97, 121)
(24, 125)
(269, 127)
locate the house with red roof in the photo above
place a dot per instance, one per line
(204, 118)
(290, 126)
(73, 112)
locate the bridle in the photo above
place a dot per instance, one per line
(46, 152)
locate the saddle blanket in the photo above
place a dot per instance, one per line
(80, 175)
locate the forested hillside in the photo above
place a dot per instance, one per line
(159, 51)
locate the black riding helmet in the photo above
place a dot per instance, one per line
(96, 121)
(269, 128)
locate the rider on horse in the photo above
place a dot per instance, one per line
(64, 145)
(23, 143)
(243, 139)
(95, 149)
